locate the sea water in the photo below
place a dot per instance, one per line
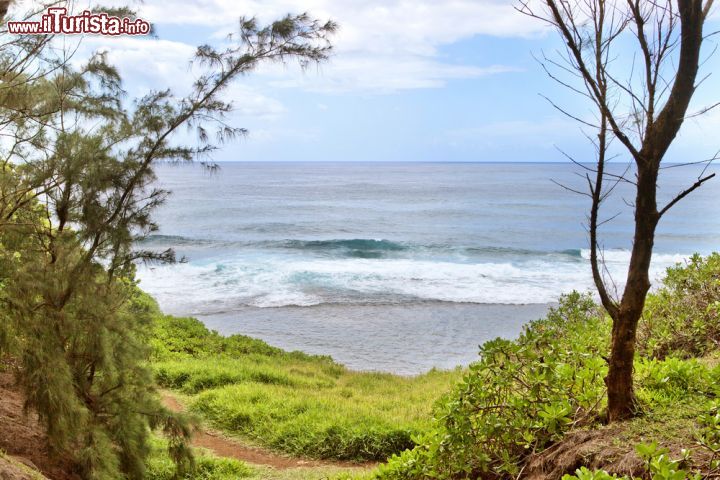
(398, 267)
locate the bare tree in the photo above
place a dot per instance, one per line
(637, 63)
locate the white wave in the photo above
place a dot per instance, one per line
(623, 256)
(276, 281)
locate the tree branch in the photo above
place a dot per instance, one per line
(685, 193)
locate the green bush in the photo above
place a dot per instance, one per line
(179, 337)
(524, 395)
(518, 398)
(682, 318)
(674, 379)
(659, 466)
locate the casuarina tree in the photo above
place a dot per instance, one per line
(76, 193)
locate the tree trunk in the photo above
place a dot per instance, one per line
(621, 399)
(619, 380)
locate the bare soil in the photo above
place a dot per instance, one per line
(22, 437)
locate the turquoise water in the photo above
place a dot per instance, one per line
(397, 267)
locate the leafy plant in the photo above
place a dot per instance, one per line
(521, 396)
(76, 191)
(682, 318)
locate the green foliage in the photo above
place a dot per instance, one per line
(179, 338)
(89, 380)
(682, 318)
(518, 398)
(583, 473)
(524, 395)
(665, 381)
(76, 191)
(207, 467)
(708, 435)
(293, 402)
(660, 466)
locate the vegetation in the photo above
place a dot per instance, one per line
(87, 347)
(683, 319)
(76, 173)
(8, 463)
(207, 467)
(296, 403)
(523, 396)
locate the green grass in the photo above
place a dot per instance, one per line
(292, 402)
(19, 467)
(314, 473)
(207, 466)
(357, 416)
(211, 467)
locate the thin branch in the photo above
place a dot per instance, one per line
(685, 193)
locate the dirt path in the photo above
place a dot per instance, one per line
(23, 437)
(226, 447)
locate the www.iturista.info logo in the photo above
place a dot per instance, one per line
(57, 21)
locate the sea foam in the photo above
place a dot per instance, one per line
(270, 279)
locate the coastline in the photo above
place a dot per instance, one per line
(403, 339)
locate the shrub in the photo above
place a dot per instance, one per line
(523, 395)
(659, 466)
(518, 398)
(674, 379)
(682, 318)
(180, 337)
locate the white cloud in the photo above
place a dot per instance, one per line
(420, 21)
(383, 74)
(152, 64)
(248, 102)
(382, 45)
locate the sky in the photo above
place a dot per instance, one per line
(424, 80)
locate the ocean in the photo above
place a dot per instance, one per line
(398, 267)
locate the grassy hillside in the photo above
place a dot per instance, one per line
(300, 404)
(532, 406)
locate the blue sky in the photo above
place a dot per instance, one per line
(428, 80)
